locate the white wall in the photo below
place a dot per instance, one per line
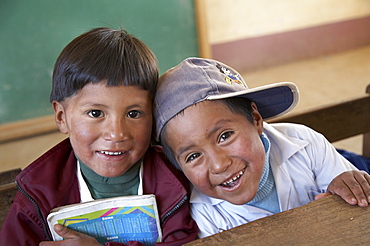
(239, 19)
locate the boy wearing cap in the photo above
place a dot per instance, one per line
(242, 169)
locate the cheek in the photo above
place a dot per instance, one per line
(83, 135)
(147, 129)
(85, 131)
(198, 177)
(259, 148)
(253, 147)
(258, 161)
(142, 133)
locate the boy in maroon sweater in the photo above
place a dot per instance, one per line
(104, 82)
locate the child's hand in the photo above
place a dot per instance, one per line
(352, 186)
(71, 238)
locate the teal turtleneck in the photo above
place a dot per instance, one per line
(106, 187)
(266, 197)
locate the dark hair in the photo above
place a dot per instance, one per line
(238, 105)
(104, 54)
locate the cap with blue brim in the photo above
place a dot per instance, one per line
(196, 79)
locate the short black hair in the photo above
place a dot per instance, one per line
(104, 54)
(238, 105)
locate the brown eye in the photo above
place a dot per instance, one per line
(95, 113)
(192, 157)
(224, 136)
(134, 114)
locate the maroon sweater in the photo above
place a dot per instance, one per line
(51, 181)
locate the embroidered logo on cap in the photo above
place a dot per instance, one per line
(230, 78)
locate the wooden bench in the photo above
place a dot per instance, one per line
(327, 221)
(8, 189)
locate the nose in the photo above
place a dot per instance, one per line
(117, 130)
(220, 162)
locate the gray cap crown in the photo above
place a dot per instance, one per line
(196, 79)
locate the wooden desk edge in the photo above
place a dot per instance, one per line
(311, 220)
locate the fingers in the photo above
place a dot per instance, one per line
(71, 238)
(65, 232)
(322, 195)
(353, 187)
(363, 180)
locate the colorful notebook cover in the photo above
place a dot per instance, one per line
(120, 219)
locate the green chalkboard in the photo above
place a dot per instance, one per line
(33, 33)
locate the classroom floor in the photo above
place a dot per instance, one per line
(323, 80)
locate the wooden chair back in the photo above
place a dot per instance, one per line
(339, 120)
(8, 189)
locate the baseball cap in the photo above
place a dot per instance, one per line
(197, 79)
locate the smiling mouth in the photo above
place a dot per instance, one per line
(112, 153)
(232, 181)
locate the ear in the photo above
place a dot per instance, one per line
(258, 120)
(60, 116)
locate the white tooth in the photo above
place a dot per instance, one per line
(111, 153)
(233, 179)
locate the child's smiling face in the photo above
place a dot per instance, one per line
(219, 151)
(109, 127)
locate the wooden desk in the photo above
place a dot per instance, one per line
(328, 221)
